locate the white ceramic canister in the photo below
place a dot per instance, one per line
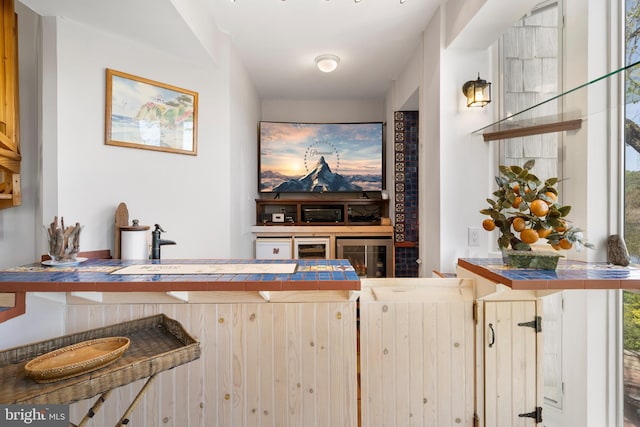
(134, 241)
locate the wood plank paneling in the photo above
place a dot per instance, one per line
(511, 363)
(274, 365)
(417, 356)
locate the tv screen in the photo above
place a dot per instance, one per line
(320, 157)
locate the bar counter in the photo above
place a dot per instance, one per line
(278, 337)
(103, 275)
(568, 275)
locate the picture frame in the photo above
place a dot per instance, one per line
(149, 115)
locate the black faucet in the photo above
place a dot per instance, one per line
(156, 242)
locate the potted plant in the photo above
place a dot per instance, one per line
(526, 209)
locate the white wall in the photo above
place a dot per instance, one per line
(187, 195)
(450, 199)
(245, 115)
(323, 110)
(465, 158)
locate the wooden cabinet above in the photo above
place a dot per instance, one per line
(10, 157)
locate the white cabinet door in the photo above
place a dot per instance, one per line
(273, 248)
(511, 364)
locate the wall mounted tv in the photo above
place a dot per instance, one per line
(320, 157)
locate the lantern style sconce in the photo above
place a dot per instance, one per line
(478, 92)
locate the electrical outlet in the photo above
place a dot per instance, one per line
(474, 236)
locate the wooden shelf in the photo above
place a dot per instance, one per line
(321, 212)
(530, 127)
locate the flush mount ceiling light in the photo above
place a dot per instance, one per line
(355, 1)
(327, 63)
(478, 92)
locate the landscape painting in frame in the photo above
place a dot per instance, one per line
(141, 113)
(320, 157)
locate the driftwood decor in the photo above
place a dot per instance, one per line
(64, 242)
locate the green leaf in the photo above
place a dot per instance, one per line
(486, 211)
(534, 179)
(554, 213)
(529, 197)
(530, 164)
(564, 210)
(516, 169)
(552, 221)
(551, 182)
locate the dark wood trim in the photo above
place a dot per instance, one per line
(516, 132)
(18, 309)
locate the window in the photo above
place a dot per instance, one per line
(530, 63)
(631, 300)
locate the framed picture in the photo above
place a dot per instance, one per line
(142, 113)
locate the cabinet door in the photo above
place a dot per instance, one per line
(274, 248)
(9, 132)
(511, 369)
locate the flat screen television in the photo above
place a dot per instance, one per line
(320, 157)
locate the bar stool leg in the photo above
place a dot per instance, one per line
(94, 409)
(125, 417)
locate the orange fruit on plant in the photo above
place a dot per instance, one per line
(556, 247)
(517, 202)
(544, 232)
(551, 196)
(516, 188)
(519, 224)
(488, 224)
(562, 227)
(565, 244)
(529, 235)
(539, 208)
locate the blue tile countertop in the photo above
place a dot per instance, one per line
(98, 275)
(568, 275)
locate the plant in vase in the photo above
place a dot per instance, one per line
(526, 209)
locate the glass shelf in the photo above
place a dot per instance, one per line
(534, 121)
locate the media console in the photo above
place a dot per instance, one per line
(362, 211)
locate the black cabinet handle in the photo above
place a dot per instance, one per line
(492, 337)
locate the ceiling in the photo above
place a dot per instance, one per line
(277, 40)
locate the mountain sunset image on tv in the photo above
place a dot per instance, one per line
(320, 157)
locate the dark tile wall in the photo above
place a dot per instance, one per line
(406, 193)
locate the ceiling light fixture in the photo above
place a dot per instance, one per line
(478, 92)
(327, 63)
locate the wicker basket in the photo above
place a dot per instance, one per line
(158, 343)
(76, 359)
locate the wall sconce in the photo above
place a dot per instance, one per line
(327, 63)
(478, 92)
